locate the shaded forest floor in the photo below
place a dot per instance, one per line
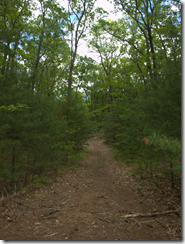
(90, 204)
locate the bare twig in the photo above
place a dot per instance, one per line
(51, 234)
(149, 214)
(10, 197)
(118, 227)
(105, 220)
(20, 203)
(151, 220)
(51, 212)
(2, 197)
(169, 229)
(65, 202)
(51, 208)
(104, 197)
(138, 224)
(15, 190)
(127, 233)
(6, 191)
(107, 197)
(54, 217)
(161, 224)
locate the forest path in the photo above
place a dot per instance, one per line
(85, 205)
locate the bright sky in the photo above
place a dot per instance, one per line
(107, 6)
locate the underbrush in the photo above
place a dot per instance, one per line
(156, 158)
(36, 179)
(38, 134)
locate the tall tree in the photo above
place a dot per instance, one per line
(80, 15)
(143, 13)
(13, 23)
(48, 28)
(109, 52)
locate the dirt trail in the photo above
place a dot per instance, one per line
(86, 205)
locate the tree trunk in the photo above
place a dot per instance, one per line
(37, 62)
(152, 50)
(38, 53)
(13, 159)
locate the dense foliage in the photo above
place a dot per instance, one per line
(40, 127)
(144, 85)
(51, 98)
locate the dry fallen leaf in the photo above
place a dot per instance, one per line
(151, 226)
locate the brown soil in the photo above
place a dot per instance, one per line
(90, 204)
